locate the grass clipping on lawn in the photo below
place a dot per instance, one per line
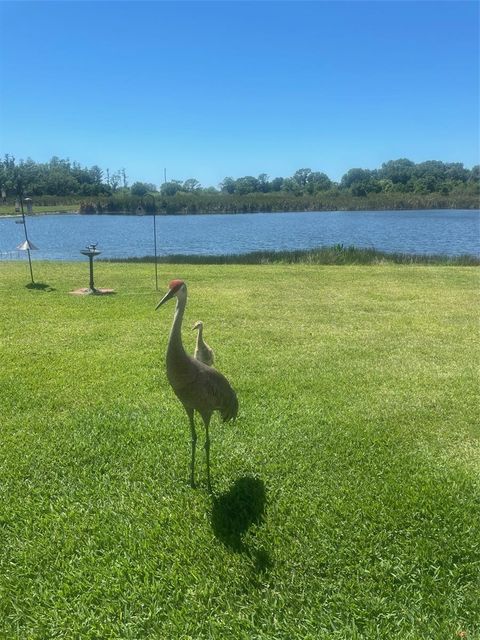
(346, 496)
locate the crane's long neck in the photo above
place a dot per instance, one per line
(200, 334)
(175, 347)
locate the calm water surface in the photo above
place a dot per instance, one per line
(60, 237)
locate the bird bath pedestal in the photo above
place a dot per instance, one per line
(91, 251)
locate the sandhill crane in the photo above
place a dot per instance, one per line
(202, 352)
(198, 386)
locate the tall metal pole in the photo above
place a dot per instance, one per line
(26, 238)
(154, 238)
(155, 244)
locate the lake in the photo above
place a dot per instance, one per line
(60, 237)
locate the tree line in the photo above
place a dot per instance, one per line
(394, 179)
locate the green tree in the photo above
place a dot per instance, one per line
(456, 171)
(96, 175)
(191, 185)
(139, 189)
(171, 188)
(227, 185)
(301, 177)
(17, 178)
(398, 171)
(386, 185)
(290, 185)
(263, 184)
(115, 180)
(247, 184)
(474, 174)
(317, 181)
(276, 184)
(353, 176)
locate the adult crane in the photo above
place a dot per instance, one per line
(202, 351)
(198, 386)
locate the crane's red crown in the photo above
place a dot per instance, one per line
(174, 285)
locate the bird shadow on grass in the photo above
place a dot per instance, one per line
(235, 511)
(39, 286)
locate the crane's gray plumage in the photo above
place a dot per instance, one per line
(198, 386)
(202, 352)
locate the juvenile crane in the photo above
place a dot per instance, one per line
(198, 386)
(202, 352)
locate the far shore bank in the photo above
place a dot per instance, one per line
(41, 211)
(203, 203)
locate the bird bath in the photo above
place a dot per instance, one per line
(91, 252)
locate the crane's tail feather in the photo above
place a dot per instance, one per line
(230, 411)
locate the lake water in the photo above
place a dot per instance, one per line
(60, 237)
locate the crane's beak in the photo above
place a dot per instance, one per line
(170, 293)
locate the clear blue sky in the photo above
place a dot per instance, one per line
(215, 89)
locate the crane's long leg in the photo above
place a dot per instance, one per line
(194, 444)
(206, 420)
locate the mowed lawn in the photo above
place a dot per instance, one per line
(346, 496)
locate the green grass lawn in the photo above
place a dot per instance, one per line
(9, 209)
(346, 496)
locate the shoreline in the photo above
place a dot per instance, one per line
(333, 255)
